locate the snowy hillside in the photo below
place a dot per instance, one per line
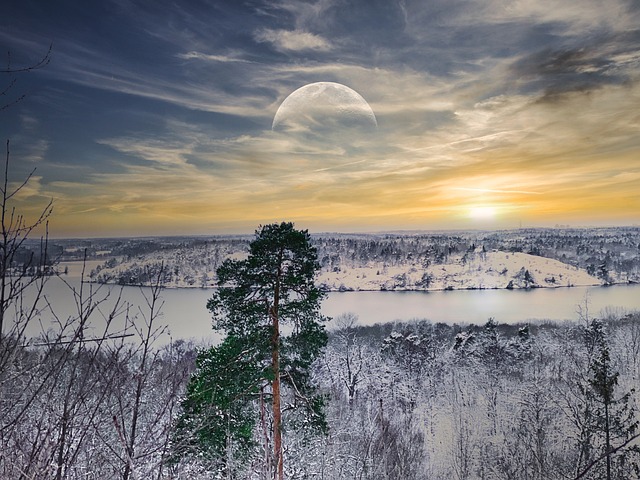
(184, 265)
(477, 271)
(404, 261)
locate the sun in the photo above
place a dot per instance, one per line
(482, 212)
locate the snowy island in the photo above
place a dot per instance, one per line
(425, 261)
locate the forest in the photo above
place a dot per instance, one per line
(413, 400)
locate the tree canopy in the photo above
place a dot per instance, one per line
(273, 286)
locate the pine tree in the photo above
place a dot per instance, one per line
(612, 418)
(273, 286)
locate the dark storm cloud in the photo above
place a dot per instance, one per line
(554, 72)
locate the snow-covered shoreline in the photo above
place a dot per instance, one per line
(519, 259)
(476, 271)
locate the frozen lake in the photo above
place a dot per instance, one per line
(476, 306)
(184, 310)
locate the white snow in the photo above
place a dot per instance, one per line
(476, 271)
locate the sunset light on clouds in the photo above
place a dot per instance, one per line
(156, 117)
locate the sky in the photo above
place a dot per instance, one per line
(155, 117)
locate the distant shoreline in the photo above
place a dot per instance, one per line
(348, 290)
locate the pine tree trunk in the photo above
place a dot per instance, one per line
(267, 449)
(275, 363)
(607, 438)
(277, 413)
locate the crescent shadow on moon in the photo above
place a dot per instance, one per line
(324, 106)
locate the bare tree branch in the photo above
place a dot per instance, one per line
(604, 455)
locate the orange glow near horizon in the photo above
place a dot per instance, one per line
(498, 167)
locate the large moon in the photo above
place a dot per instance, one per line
(324, 105)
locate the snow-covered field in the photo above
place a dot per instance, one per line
(524, 258)
(478, 271)
(475, 270)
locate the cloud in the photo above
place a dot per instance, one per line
(36, 150)
(33, 188)
(563, 18)
(29, 122)
(584, 69)
(492, 190)
(292, 40)
(305, 14)
(156, 151)
(29, 150)
(570, 18)
(77, 65)
(211, 58)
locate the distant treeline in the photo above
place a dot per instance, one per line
(611, 254)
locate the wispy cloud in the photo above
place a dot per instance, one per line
(80, 67)
(29, 190)
(211, 58)
(293, 40)
(568, 18)
(493, 190)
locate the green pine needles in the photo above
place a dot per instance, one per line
(268, 307)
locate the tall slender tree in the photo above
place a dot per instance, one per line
(273, 287)
(612, 416)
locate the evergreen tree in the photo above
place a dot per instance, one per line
(273, 286)
(217, 421)
(612, 417)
